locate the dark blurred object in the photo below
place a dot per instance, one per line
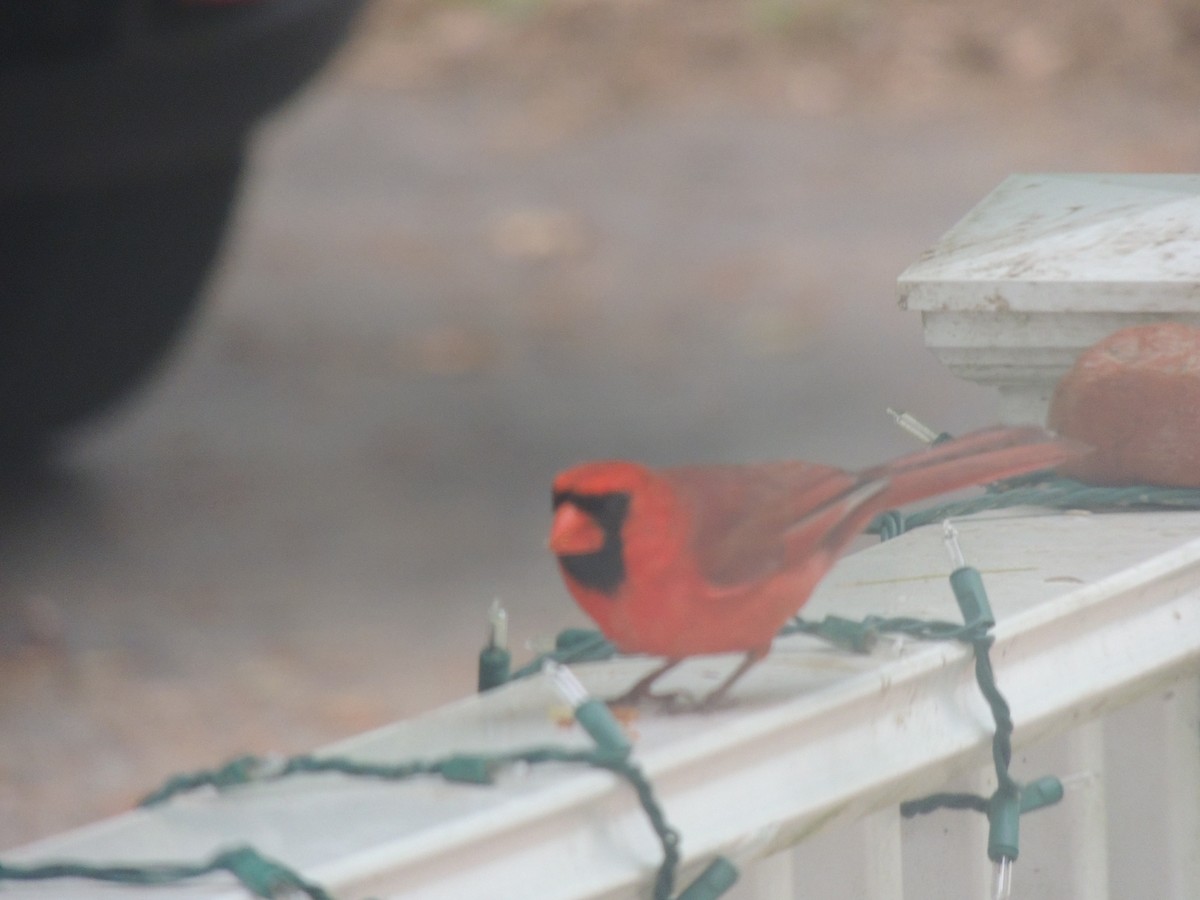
(123, 126)
(1135, 398)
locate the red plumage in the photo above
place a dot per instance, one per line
(677, 562)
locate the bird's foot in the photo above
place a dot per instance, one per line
(671, 703)
(675, 702)
(641, 695)
(642, 691)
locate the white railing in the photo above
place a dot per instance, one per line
(798, 780)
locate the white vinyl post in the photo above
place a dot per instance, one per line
(881, 849)
(771, 878)
(1182, 803)
(1087, 814)
(1047, 265)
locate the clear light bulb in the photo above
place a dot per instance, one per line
(950, 536)
(1003, 880)
(498, 625)
(913, 426)
(568, 686)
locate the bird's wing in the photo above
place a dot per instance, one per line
(741, 514)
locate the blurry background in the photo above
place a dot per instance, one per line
(496, 238)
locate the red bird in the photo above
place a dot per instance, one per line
(692, 560)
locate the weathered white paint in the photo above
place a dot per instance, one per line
(1047, 265)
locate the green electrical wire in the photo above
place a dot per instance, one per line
(1052, 491)
(1010, 799)
(854, 635)
(461, 768)
(259, 875)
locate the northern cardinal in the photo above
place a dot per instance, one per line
(679, 562)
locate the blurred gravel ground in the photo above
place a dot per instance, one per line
(498, 238)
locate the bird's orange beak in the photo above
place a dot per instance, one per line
(574, 532)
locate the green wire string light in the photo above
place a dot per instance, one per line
(495, 660)
(1010, 799)
(261, 876)
(267, 878)
(612, 753)
(597, 720)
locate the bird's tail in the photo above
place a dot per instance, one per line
(980, 457)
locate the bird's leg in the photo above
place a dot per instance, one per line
(753, 657)
(680, 701)
(641, 690)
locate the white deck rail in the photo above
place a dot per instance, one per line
(1098, 632)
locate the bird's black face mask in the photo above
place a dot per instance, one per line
(604, 569)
